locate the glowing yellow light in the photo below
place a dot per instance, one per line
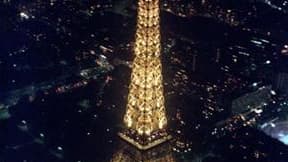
(145, 108)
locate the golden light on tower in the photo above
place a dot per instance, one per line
(145, 118)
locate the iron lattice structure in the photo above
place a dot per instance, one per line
(145, 117)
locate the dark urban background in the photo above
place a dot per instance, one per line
(65, 71)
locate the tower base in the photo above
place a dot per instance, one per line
(145, 143)
(129, 153)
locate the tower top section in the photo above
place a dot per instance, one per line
(145, 117)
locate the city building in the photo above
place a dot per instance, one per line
(252, 101)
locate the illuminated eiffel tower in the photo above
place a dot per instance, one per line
(145, 118)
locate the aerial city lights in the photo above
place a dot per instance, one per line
(143, 80)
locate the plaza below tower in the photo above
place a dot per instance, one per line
(145, 118)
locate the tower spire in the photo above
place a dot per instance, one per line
(145, 118)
